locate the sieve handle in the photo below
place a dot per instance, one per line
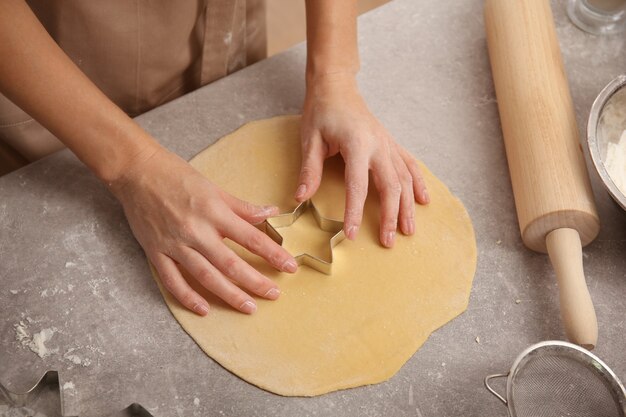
(493, 391)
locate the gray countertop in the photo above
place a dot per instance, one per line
(69, 263)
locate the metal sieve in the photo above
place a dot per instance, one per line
(559, 379)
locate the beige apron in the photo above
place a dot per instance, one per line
(140, 54)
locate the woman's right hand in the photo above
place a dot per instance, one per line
(181, 218)
(176, 214)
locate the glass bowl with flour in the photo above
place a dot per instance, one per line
(606, 138)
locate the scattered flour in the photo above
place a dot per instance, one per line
(70, 264)
(14, 292)
(69, 388)
(196, 401)
(95, 284)
(615, 162)
(21, 334)
(37, 342)
(95, 349)
(75, 359)
(72, 357)
(49, 292)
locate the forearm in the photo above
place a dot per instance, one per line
(331, 39)
(41, 79)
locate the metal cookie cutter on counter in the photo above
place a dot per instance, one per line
(271, 225)
(46, 399)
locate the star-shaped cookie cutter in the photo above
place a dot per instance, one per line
(50, 382)
(271, 224)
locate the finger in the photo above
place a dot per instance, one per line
(356, 178)
(388, 186)
(237, 270)
(249, 212)
(261, 244)
(213, 280)
(419, 186)
(173, 281)
(313, 155)
(406, 215)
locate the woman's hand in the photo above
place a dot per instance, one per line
(180, 218)
(336, 120)
(175, 213)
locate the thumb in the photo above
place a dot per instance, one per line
(313, 155)
(249, 212)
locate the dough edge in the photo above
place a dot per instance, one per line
(390, 369)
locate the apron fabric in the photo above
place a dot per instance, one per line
(141, 53)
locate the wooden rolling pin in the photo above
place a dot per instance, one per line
(553, 197)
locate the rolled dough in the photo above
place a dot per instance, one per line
(355, 327)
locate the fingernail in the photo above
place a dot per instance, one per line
(272, 294)
(388, 238)
(408, 227)
(425, 196)
(268, 210)
(201, 309)
(290, 265)
(301, 191)
(248, 307)
(351, 232)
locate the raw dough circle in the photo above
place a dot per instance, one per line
(355, 327)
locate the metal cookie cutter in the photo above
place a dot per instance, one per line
(46, 398)
(271, 225)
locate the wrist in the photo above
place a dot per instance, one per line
(332, 84)
(125, 167)
(337, 76)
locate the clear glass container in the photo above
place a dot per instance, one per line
(599, 17)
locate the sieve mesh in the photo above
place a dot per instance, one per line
(553, 384)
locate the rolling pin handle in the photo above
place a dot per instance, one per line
(577, 312)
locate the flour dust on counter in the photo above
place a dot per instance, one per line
(39, 338)
(36, 342)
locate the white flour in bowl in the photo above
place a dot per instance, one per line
(615, 162)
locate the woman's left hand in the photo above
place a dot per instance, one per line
(335, 120)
